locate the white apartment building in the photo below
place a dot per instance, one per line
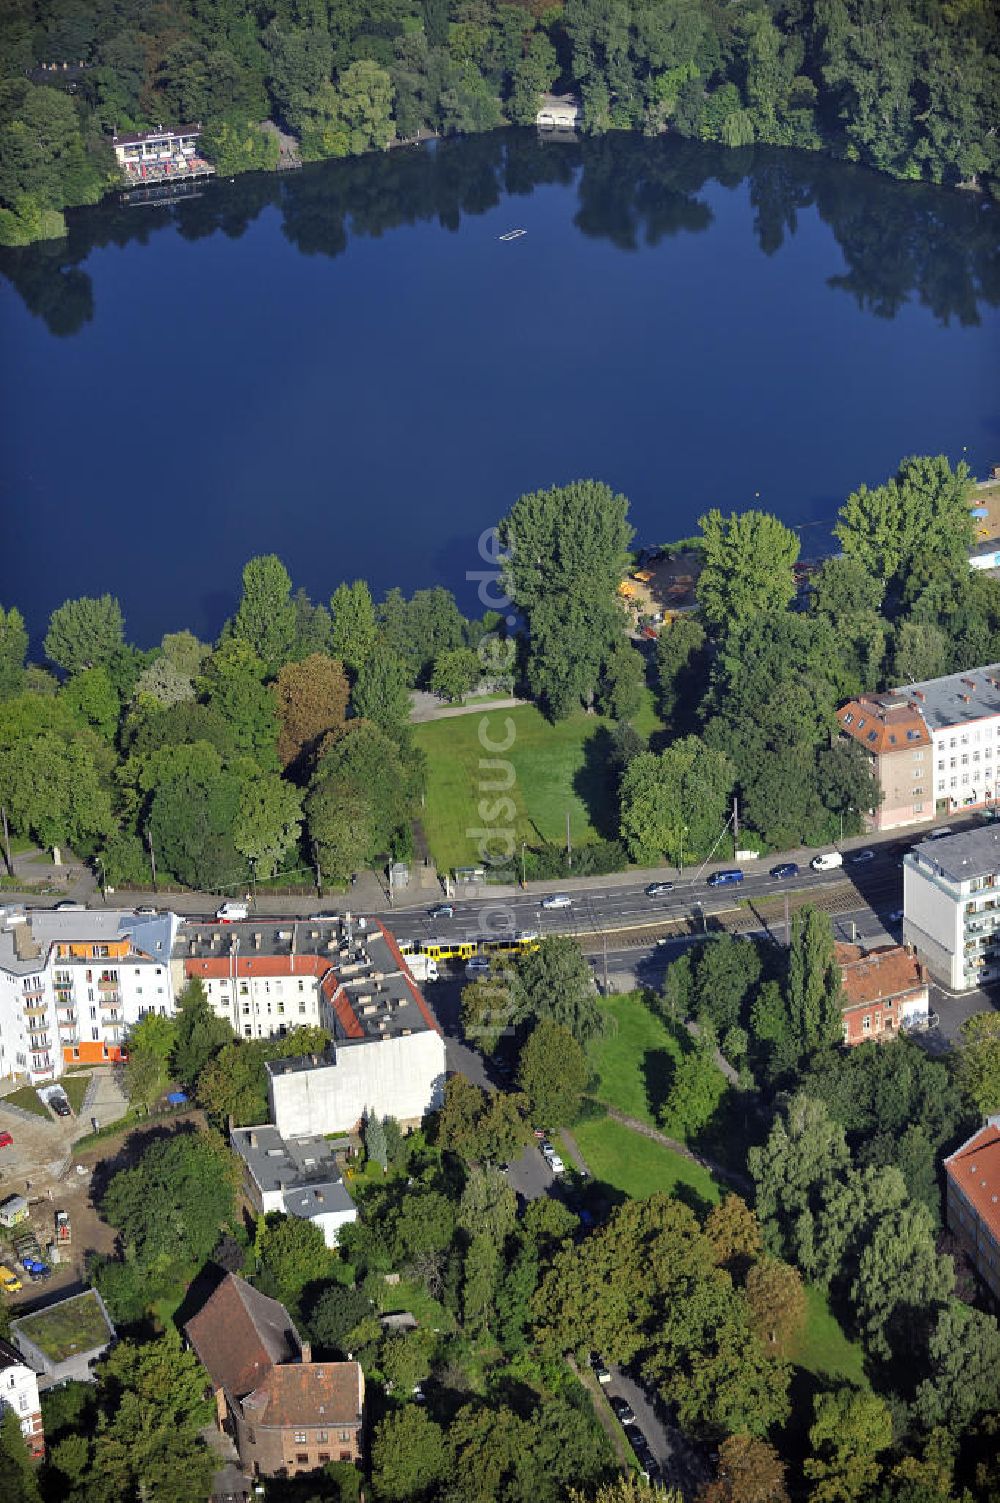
(73, 983)
(934, 746)
(297, 1176)
(19, 1392)
(265, 977)
(951, 906)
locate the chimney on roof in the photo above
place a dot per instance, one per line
(919, 694)
(253, 1140)
(305, 1351)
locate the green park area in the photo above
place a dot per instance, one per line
(822, 1348)
(637, 1166)
(559, 769)
(633, 1059)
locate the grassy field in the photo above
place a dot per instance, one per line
(27, 1098)
(559, 769)
(823, 1349)
(633, 1060)
(76, 1325)
(75, 1087)
(637, 1166)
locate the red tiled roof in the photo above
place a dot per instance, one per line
(239, 1334)
(309, 1394)
(341, 1004)
(879, 975)
(884, 723)
(975, 1170)
(221, 967)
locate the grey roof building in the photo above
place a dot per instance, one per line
(297, 1176)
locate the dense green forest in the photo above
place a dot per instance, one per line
(909, 87)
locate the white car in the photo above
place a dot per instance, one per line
(557, 900)
(827, 862)
(476, 965)
(231, 913)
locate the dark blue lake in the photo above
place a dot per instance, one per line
(346, 365)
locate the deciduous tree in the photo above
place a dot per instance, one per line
(265, 620)
(777, 1303)
(747, 567)
(850, 1429)
(409, 1455)
(85, 633)
(311, 698)
(354, 630)
(553, 1073)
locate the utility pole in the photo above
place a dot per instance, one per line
(319, 874)
(604, 937)
(152, 856)
(788, 925)
(389, 870)
(253, 880)
(524, 881)
(736, 824)
(569, 844)
(6, 841)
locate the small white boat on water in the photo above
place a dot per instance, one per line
(512, 235)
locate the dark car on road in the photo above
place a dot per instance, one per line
(861, 857)
(659, 889)
(724, 878)
(60, 1106)
(623, 1409)
(443, 910)
(785, 869)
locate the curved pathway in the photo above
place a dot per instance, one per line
(740, 1182)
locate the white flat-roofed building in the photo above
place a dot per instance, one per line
(297, 1176)
(951, 906)
(387, 1057)
(149, 156)
(559, 112)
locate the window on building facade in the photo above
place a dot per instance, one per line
(322, 1437)
(918, 808)
(95, 1034)
(866, 1023)
(300, 1437)
(248, 1032)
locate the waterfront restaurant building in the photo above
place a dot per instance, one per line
(161, 155)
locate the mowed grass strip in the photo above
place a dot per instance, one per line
(823, 1349)
(633, 1059)
(637, 1166)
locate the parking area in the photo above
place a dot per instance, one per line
(676, 1461)
(530, 1176)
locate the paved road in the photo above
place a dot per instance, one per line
(681, 1463)
(530, 1175)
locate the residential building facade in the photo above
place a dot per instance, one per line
(972, 1176)
(73, 983)
(19, 1393)
(934, 746)
(884, 991)
(286, 1414)
(951, 906)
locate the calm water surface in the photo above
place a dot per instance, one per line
(347, 366)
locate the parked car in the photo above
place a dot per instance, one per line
(476, 965)
(60, 1105)
(896, 916)
(553, 1160)
(9, 1281)
(623, 1409)
(601, 1372)
(784, 869)
(659, 889)
(943, 830)
(724, 878)
(6, 1140)
(146, 908)
(69, 907)
(557, 900)
(827, 861)
(860, 858)
(442, 910)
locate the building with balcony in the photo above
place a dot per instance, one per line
(951, 906)
(972, 1177)
(161, 156)
(73, 983)
(934, 746)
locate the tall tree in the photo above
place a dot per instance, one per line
(674, 804)
(922, 513)
(13, 649)
(265, 619)
(750, 1471)
(354, 631)
(381, 693)
(813, 987)
(777, 1302)
(552, 1072)
(849, 1431)
(979, 1061)
(565, 557)
(554, 981)
(85, 633)
(268, 822)
(747, 568)
(198, 1035)
(794, 1171)
(311, 698)
(409, 1455)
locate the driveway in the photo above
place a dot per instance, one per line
(530, 1175)
(681, 1463)
(953, 1008)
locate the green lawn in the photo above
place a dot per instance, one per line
(74, 1325)
(636, 1165)
(27, 1098)
(553, 776)
(75, 1087)
(633, 1059)
(823, 1349)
